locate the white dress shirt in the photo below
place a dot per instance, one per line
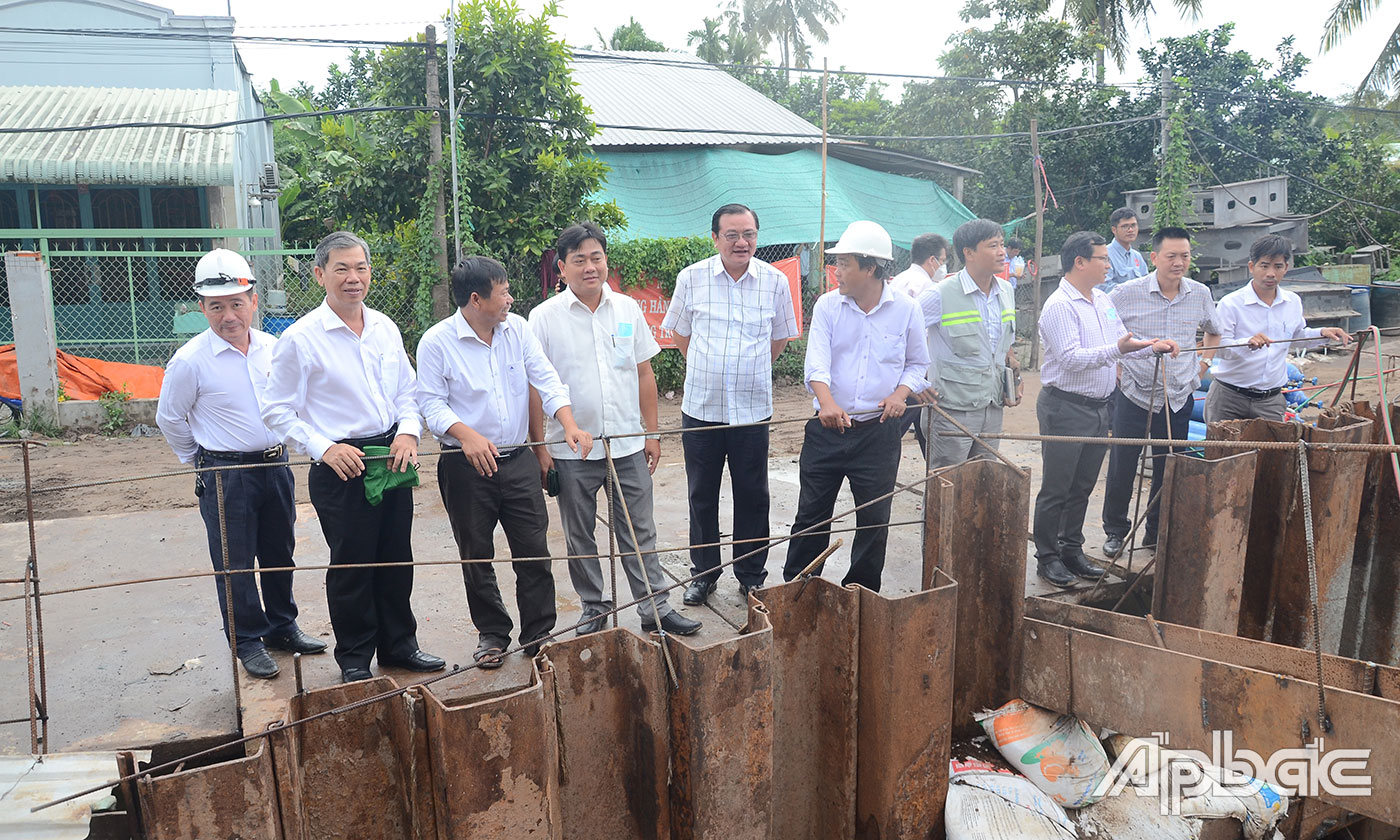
(1080, 336)
(913, 281)
(731, 325)
(328, 384)
(863, 356)
(462, 379)
(212, 393)
(596, 354)
(1239, 316)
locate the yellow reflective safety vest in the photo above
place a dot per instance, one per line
(966, 381)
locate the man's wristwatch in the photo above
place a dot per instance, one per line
(653, 436)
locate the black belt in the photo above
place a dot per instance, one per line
(1077, 399)
(504, 456)
(381, 439)
(1252, 393)
(276, 453)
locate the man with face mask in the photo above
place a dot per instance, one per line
(928, 265)
(209, 414)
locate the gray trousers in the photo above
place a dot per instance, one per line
(949, 447)
(579, 483)
(1224, 403)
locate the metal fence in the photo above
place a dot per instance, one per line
(126, 295)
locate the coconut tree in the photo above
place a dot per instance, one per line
(1346, 17)
(1111, 20)
(708, 41)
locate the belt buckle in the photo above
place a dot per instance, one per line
(273, 453)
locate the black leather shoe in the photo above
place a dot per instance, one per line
(698, 592)
(745, 589)
(1078, 564)
(1149, 541)
(599, 621)
(416, 661)
(1113, 546)
(350, 675)
(1054, 572)
(295, 642)
(675, 624)
(532, 649)
(259, 664)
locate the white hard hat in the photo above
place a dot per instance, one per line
(865, 239)
(222, 272)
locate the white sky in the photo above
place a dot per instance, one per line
(894, 36)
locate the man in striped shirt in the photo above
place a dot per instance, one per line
(1084, 340)
(1170, 304)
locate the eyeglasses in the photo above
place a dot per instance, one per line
(1103, 258)
(733, 236)
(222, 279)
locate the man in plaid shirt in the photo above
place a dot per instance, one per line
(1165, 303)
(731, 316)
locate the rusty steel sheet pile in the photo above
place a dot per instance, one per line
(1139, 676)
(1206, 509)
(1372, 628)
(601, 742)
(976, 521)
(1276, 605)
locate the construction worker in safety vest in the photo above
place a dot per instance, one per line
(971, 323)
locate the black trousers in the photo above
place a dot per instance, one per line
(512, 497)
(259, 518)
(867, 456)
(747, 452)
(369, 608)
(1068, 473)
(1130, 421)
(913, 419)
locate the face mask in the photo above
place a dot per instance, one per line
(941, 273)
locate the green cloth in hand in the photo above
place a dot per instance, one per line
(379, 477)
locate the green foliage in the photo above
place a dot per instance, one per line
(1346, 17)
(854, 104)
(788, 369)
(30, 423)
(1178, 171)
(639, 261)
(113, 404)
(792, 24)
(630, 36)
(669, 367)
(708, 41)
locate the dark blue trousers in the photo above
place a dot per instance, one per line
(259, 517)
(746, 449)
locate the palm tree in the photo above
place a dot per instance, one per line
(1346, 17)
(743, 43)
(708, 42)
(1110, 19)
(789, 22)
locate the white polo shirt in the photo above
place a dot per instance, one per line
(596, 355)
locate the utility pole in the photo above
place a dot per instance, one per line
(1039, 246)
(821, 231)
(452, 132)
(442, 305)
(1164, 88)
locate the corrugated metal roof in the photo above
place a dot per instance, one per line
(26, 781)
(678, 91)
(120, 155)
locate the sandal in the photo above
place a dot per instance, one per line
(488, 656)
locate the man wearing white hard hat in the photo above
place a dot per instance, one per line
(210, 415)
(866, 354)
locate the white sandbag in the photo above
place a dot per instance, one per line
(988, 803)
(1057, 752)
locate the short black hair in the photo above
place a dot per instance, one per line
(572, 238)
(1272, 245)
(731, 210)
(971, 234)
(926, 245)
(1163, 234)
(476, 275)
(1079, 244)
(882, 267)
(1014, 243)
(1122, 214)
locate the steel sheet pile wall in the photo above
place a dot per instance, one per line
(1206, 510)
(1122, 673)
(975, 532)
(830, 721)
(1372, 629)
(1276, 605)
